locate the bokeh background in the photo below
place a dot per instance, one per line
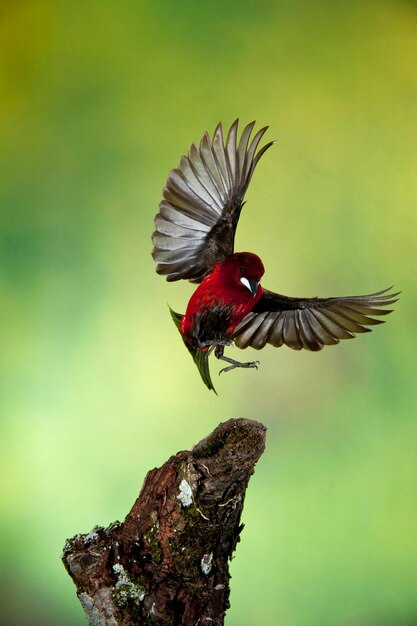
(98, 100)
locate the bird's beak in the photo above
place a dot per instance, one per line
(251, 284)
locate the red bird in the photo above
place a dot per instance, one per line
(194, 240)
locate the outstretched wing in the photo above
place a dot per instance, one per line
(310, 323)
(197, 219)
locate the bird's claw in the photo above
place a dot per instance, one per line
(249, 364)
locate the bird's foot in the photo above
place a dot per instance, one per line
(234, 364)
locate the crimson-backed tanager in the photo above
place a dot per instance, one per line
(194, 240)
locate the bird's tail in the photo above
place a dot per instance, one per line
(200, 356)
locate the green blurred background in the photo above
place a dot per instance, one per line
(98, 100)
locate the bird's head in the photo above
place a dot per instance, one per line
(244, 269)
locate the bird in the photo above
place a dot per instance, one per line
(194, 240)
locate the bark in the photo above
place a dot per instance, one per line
(167, 563)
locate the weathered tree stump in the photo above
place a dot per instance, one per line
(167, 563)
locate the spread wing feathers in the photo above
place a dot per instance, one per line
(203, 197)
(310, 323)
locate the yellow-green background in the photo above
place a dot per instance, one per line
(98, 100)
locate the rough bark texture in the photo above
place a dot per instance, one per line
(167, 563)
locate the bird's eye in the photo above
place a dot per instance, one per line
(242, 270)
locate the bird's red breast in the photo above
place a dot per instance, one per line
(227, 295)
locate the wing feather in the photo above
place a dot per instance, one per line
(213, 179)
(310, 323)
(231, 152)
(204, 188)
(320, 332)
(259, 338)
(242, 150)
(307, 335)
(166, 227)
(250, 154)
(219, 154)
(276, 336)
(197, 219)
(176, 218)
(189, 208)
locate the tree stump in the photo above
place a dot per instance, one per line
(167, 563)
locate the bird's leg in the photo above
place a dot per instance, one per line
(219, 354)
(216, 343)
